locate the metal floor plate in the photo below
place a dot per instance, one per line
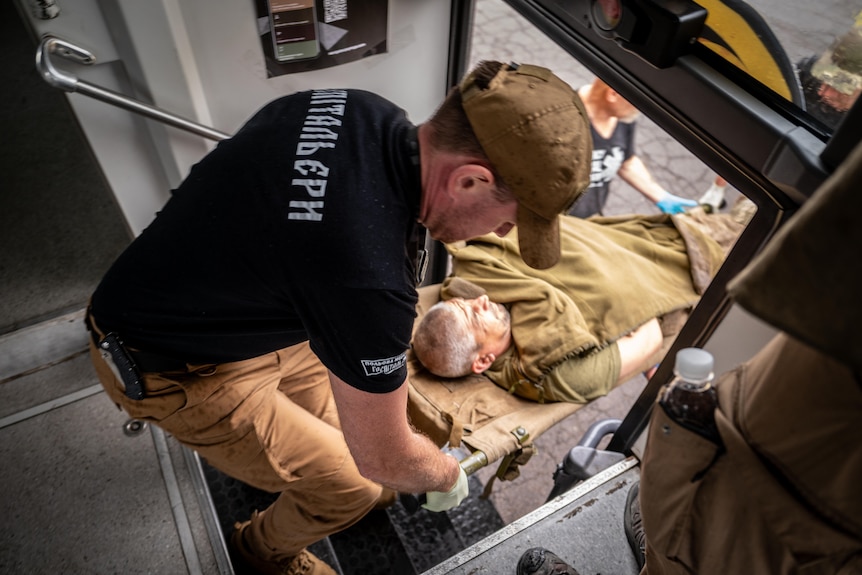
(584, 526)
(384, 541)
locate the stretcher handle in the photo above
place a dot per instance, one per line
(69, 83)
(474, 462)
(599, 430)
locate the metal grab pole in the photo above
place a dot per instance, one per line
(69, 83)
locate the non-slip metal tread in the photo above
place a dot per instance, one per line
(383, 542)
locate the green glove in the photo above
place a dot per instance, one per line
(440, 501)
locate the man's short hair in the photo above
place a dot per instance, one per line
(443, 343)
(451, 129)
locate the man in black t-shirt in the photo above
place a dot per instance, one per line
(612, 125)
(263, 318)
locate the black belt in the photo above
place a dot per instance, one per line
(145, 361)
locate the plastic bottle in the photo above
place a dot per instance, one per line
(690, 398)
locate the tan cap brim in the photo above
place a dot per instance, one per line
(538, 239)
(535, 131)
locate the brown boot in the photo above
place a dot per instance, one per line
(633, 525)
(540, 561)
(246, 563)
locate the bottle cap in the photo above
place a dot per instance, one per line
(694, 364)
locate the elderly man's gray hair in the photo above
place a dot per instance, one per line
(443, 343)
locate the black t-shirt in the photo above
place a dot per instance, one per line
(295, 229)
(608, 155)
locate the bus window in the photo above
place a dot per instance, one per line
(813, 60)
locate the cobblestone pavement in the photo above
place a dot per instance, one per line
(501, 34)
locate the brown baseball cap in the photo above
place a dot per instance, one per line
(534, 129)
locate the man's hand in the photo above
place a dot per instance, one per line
(395, 454)
(671, 204)
(440, 501)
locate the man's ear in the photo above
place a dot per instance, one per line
(471, 178)
(483, 362)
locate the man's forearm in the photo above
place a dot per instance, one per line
(638, 348)
(385, 447)
(418, 468)
(635, 173)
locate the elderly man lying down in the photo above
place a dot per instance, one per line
(606, 312)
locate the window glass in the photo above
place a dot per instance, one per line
(807, 52)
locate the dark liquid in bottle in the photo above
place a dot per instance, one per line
(692, 407)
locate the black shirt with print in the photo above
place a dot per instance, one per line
(295, 229)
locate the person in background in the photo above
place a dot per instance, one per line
(832, 81)
(612, 125)
(268, 308)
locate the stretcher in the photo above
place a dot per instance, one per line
(495, 424)
(472, 411)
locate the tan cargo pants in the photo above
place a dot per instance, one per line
(270, 422)
(786, 494)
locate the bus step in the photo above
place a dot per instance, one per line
(383, 542)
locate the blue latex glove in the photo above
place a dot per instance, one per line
(671, 204)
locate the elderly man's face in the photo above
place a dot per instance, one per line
(489, 322)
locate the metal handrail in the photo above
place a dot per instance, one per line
(69, 83)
